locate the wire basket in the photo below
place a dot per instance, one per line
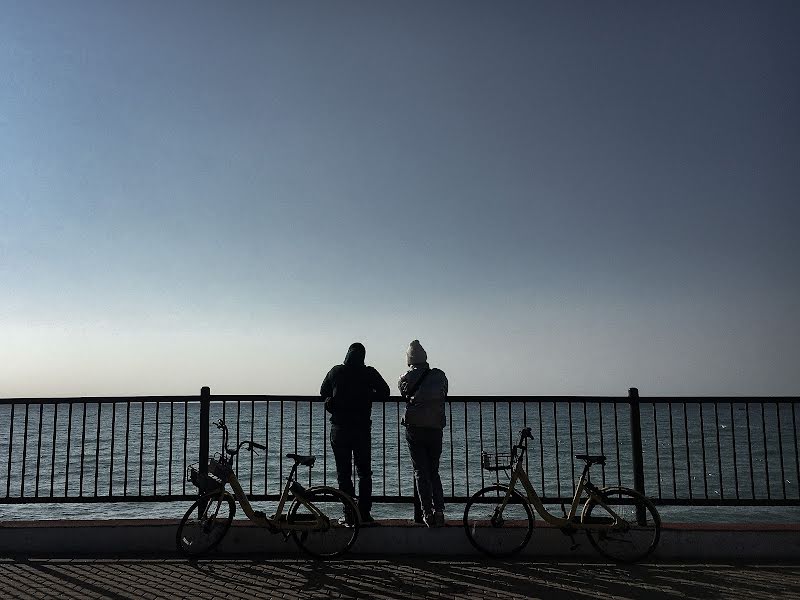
(496, 462)
(205, 482)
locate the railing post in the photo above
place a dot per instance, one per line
(205, 409)
(636, 449)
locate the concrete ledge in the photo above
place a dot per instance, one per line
(696, 542)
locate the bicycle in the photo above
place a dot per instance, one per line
(307, 520)
(620, 523)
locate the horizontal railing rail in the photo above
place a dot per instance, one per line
(721, 451)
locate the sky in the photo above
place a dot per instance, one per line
(555, 198)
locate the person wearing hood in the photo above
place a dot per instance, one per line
(425, 391)
(349, 390)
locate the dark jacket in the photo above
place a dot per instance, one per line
(350, 389)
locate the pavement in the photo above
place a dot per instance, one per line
(395, 578)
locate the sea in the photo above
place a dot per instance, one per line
(704, 451)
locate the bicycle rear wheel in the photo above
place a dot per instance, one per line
(201, 531)
(331, 534)
(495, 529)
(635, 538)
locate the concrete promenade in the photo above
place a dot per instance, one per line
(389, 578)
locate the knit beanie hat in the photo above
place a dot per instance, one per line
(416, 354)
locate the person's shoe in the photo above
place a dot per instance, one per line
(367, 520)
(438, 518)
(428, 519)
(348, 520)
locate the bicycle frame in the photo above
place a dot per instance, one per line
(518, 474)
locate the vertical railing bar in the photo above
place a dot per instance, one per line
(39, 450)
(185, 445)
(586, 428)
(541, 446)
(69, 448)
(452, 445)
(280, 448)
(688, 460)
(616, 441)
(672, 452)
(238, 427)
(155, 449)
(266, 451)
(397, 416)
(311, 433)
(602, 445)
(480, 434)
(733, 443)
(24, 451)
(97, 450)
(571, 444)
(796, 450)
(383, 461)
(766, 453)
(466, 447)
(171, 442)
(127, 430)
(525, 424)
(10, 450)
(252, 432)
(494, 419)
(296, 428)
(111, 455)
(658, 458)
(558, 466)
(780, 449)
(703, 448)
(83, 445)
(141, 445)
(53, 450)
(750, 452)
(719, 452)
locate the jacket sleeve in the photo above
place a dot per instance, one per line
(379, 385)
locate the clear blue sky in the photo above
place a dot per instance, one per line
(555, 198)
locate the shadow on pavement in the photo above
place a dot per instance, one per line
(390, 579)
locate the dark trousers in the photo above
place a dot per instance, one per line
(354, 445)
(425, 446)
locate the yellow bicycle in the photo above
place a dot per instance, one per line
(620, 523)
(323, 521)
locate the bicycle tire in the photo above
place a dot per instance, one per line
(632, 542)
(201, 534)
(335, 536)
(498, 534)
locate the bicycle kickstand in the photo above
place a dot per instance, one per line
(569, 531)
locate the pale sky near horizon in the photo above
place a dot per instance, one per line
(553, 197)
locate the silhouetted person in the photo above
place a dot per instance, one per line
(425, 391)
(349, 390)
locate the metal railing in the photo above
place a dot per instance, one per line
(679, 451)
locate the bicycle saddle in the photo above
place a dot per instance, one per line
(306, 461)
(592, 458)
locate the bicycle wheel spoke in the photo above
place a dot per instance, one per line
(328, 527)
(630, 538)
(496, 527)
(200, 532)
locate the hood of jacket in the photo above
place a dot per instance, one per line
(355, 356)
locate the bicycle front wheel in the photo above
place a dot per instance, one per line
(496, 527)
(201, 531)
(636, 534)
(329, 534)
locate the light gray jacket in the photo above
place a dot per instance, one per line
(426, 408)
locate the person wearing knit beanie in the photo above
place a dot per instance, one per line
(416, 355)
(425, 391)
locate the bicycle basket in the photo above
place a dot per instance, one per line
(219, 469)
(205, 482)
(496, 462)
